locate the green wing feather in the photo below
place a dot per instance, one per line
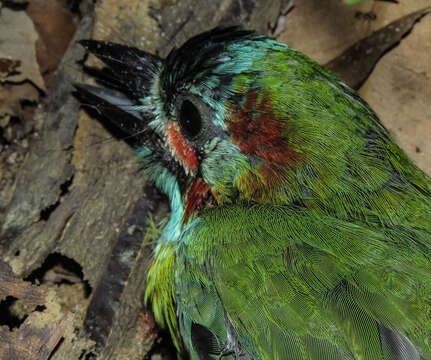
(296, 284)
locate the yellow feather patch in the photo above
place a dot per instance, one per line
(161, 291)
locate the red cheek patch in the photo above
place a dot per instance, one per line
(183, 150)
(257, 131)
(197, 193)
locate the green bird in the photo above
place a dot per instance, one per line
(298, 228)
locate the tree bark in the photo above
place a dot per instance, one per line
(82, 205)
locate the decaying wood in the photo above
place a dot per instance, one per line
(11, 285)
(88, 204)
(187, 18)
(29, 343)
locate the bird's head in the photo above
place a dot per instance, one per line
(227, 117)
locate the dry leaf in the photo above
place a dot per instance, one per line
(8, 67)
(55, 25)
(11, 97)
(324, 30)
(356, 63)
(17, 42)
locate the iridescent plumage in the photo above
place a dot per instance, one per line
(299, 229)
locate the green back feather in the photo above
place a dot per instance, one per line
(291, 279)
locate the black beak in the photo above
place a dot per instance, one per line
(115, 107)
(133, 69)
(127, 80)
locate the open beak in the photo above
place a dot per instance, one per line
(127, 80)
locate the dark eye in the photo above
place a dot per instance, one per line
(190, 119)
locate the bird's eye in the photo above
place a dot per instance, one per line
(190, 119)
